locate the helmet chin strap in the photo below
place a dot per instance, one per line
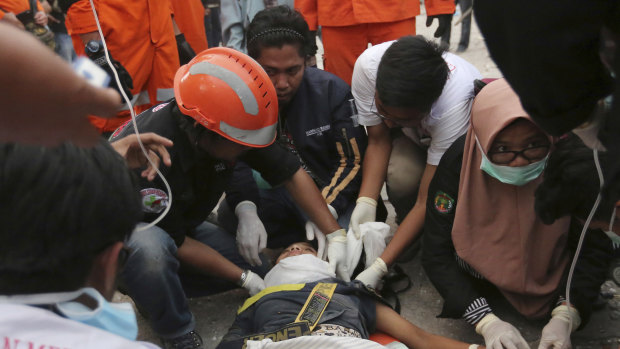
(191, 127)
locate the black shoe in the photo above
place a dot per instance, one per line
(190, 340)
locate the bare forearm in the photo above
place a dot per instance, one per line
(391, 323)
(306, 194)
(208, 260)
(61, 95)
(375, 164)
(407, 231)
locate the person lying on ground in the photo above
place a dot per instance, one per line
(349, 308)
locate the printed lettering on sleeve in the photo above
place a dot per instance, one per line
(153, 200)
(444, 203)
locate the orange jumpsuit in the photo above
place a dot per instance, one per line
(139, 34)
(349, 25)
(16, 6)
(190, 17)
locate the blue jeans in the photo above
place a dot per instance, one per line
(155, 279)
(64, 46)
(284, 221)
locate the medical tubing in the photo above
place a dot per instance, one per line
(135, 126)
(583, 234)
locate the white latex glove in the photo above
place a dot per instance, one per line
(313, 232)
(337, 254)
(365, 211)
(253, 283)
(499, 334)
(373, 274)
(556, 334)
(251, 234)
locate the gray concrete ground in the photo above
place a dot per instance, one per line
(421, 303)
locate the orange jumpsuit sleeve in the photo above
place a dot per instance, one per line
(189, 15)
(439, 7)
(2, 14)
(39, 6)
(309, 9)
(80, 18)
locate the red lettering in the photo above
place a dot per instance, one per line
(7, 343)
(14, 343)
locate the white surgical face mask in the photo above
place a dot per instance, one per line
(518, 176)
(298, 270)
(117, 318)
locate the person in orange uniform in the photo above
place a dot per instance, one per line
(9, 9)
(189, 16)
(140, 36)
(348, 26)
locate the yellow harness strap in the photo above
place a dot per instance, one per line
(285, 287)
(316, 304)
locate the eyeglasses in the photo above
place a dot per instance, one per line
(400, 122)
(531, 154)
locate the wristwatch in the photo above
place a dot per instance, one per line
(93, 47)
(244, 276)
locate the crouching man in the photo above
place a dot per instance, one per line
(224, 108)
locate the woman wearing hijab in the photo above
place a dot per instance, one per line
(492, 239)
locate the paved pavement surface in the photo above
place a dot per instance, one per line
(421, 303)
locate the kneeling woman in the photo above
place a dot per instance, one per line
(492, 239)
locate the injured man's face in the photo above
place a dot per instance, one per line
(303, 266)
(297, 249)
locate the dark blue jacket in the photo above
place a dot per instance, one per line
(331, 147)
(351, 306)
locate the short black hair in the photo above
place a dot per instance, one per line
(61, 207)
(277, 26)
(571, 184)
(411, 74)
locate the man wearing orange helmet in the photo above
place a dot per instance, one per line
(225, 108)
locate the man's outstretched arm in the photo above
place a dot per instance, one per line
(391, 323)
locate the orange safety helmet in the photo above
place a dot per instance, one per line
(229, 93)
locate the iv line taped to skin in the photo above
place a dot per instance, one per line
(135, 126)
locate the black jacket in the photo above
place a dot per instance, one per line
(331, 147)
(457, 286)
(197, 180)
(351, 306)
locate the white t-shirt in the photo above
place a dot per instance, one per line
(449, 117)
(24, 327)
